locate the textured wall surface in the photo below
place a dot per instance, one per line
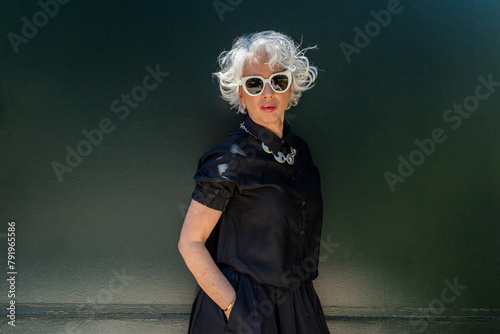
(105, 108)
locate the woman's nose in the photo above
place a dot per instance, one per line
(268, 90)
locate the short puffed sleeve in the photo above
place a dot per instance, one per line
(217, 178)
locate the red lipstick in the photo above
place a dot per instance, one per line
(268, 107)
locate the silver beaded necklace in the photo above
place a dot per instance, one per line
(280, 157)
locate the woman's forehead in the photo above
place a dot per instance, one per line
(257, 65)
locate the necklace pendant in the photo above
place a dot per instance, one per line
(280, 157)
(266, 149)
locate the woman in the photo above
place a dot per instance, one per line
(251, 235)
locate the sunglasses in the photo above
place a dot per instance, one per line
(279, 82)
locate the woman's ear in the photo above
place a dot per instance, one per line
(242, 99)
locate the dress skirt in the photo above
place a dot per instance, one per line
(260, 309)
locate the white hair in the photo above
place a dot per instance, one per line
(283, 53)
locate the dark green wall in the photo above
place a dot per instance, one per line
(120, 209)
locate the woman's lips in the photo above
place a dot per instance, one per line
(268, 107)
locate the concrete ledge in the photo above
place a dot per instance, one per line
(178, 324)
(161, 311)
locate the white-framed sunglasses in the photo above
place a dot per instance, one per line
(279, 82)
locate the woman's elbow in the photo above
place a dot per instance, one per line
(186, 245)
(181, 244)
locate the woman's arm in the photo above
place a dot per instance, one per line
(199, 223)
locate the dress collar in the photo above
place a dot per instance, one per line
(269, 138)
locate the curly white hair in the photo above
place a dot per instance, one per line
(283, 53)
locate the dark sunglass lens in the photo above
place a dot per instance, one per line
(280, 82)
(254, 85)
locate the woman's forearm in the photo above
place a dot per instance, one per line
(207, 274)
(198, 225)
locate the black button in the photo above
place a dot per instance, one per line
(293, 178)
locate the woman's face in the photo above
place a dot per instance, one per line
(268, 108)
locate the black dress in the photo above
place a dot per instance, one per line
(267, 240)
